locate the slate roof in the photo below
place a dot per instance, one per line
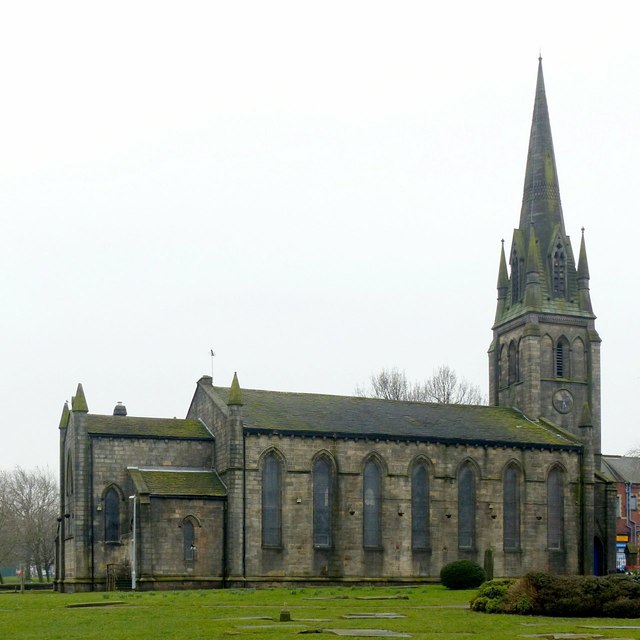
(345, 416)
(167, 482)
(133, 427)
(623, 468)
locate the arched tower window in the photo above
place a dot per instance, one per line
(555, 509)
(112, 516)
(189, 540)
(372, 506)
(516, 278)
(68, 484)
(504, 366)
(559, 271)
(272, 501)
(420, 507)
(466, 507)
(511, 508)
(562, 358)
(322, 503)
(513, 362)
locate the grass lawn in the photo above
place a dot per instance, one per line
(432, 612)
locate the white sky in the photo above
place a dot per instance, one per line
(315, 190)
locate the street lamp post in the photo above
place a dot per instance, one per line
(133, 545)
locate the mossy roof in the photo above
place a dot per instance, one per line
(345, 416)
(188, 483)
(133, 427)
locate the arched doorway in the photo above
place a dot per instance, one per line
(598, 557)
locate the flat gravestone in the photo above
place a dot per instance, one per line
(367, 633)
(584, 626)
(99, 603)
(258, 627)
(375, 615)
(398, 597)
(563, 636)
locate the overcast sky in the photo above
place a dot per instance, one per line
(315, 190)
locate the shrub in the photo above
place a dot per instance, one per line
(523, 605)
(462, 574)
(491, 596)
(566, 596)
(621, 608)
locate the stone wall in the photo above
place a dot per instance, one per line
(165, 560)
(396, 560)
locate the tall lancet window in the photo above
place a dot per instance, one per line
(559, 271)
(322, 503)
(466, 507)
(112, 516)
(272, 502)
(420, 507)
(513, 362)
(511, 508)
(372, 508)
(562, 358)
(516, 278)
(188, 540)
(555, 509)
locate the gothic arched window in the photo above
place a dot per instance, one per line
(504, 366)
(272, 501)
(559, 271)
(188, 539)
(562, 358)
(322, 503)
(372, 506)
(555, 509)
(511, 508)
(513, 362)
(466, 507)
(420, 507)
(112, 516)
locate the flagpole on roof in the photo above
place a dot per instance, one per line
(212, 357)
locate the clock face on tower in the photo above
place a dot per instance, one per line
(563, 401)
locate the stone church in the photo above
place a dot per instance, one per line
(260, 487)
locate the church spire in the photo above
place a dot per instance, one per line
(541, 206)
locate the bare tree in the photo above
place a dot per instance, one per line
(33, 500)
(390, 384)
(443, 387)
(8, 533)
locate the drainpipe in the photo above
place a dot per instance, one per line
(244, 505)
(93, 577)
(631, 525)
(225, 524)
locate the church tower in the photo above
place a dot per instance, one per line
(545, 356)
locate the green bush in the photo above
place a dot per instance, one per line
(491, 596)
(621, 608)
(522, 605)
(462, 574)
(564, 596)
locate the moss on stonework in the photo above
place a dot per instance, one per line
(79, 402)
(275, 411)
(235, 395)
